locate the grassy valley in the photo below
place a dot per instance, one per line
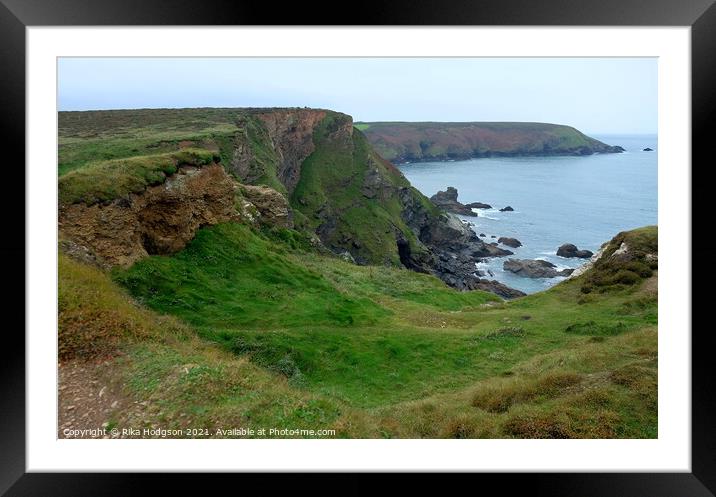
(243, 329)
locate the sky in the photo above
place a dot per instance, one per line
(595, 95)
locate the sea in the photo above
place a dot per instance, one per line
(580, 200)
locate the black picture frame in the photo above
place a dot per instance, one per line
(16, 15)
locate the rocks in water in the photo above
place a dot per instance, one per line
(483, 235)
(570, 250)
(455, 250)
(647, 149)
(528, 268)
(447, 200)
(507, 209)
(492, 250)
(510, 242)
(493, 236)
(478, 205)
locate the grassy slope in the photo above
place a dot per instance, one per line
(419, 140)
(400, 354)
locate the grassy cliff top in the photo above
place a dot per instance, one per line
(90, 136)
(107, 180)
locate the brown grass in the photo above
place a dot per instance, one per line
(95, 316)
(501, 397)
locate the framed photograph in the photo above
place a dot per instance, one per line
(425, 242)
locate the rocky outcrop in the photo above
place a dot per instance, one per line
(447, 200)
(497, 288)
(507, 209)
(478, 205)
(510, 242)
(647, 149)
(164, 218)
(534, 268)
(454, 248)
(161, 220)
(569, 250)
(626, 260)
(272, 207)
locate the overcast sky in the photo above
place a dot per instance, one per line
(595, 95)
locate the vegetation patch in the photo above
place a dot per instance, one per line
(509, 331)
(513, 391)
(230, 277)
(95, 317)
(628, 259)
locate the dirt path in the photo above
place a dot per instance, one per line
(89, 400)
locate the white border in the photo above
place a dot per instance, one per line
(670, 452)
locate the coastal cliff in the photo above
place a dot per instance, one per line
(337, 189)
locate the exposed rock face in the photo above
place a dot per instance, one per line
(447, 200)
(272, 207)
(454, 248)
(164, 218)
(161, 220)
(291, 132)
(510, 242)
(507, 209)
(534, 268)
(289, 135)
(569, 250)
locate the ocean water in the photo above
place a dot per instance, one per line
(579, 200)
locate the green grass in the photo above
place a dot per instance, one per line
(250, 327)
(418, 359)
(229, 277)
(104, 181)
(331, 185)
(369, 336)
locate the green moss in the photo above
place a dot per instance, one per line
(104, 181)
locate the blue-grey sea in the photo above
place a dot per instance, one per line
(579, 200)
